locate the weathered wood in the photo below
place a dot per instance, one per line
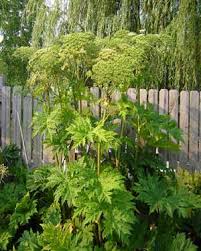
(17, 116)
(27, 130)
(116, 96)
(6, 116)
(94, 106)
(194, 130)
(153, 98)
(174, 114)
(199, 162)
(47, 153)
(132, 95)
(143, 97)
(184, 125)
(163, 101)
(186, 112)
(2, 80)
(83, 105)
(163, 109)
(37, 141)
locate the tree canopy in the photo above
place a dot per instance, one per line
(178, 19)
(15, 34)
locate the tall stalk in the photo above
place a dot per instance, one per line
(121, 136)
(98, 158)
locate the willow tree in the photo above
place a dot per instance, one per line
(15, 34)
(186, 31)
(101, 17)
(104, 17)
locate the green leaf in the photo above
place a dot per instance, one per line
(24, 210)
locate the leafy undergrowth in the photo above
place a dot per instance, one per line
(75, 209)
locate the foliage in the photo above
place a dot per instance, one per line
(23, 212)
(3, 172)
(166, 198)
(11, 155)
(179, 19)
(115, 193)
(15, 35)
(29, 242)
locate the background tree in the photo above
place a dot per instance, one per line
(15, 34)
(180, 19)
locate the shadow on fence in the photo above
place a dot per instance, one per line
(17, 110)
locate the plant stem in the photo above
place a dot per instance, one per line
(99, 233)
(137, 138)
(121, 136)
(98, 158)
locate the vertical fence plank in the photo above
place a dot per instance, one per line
(116, 96)
(163, 101)
(174, 114)
(47, 152)
(184, 125)
(5, 116)
(187, 113)
(194, 130)
(132, 95)
(37, 140)
(199, 146)
(163, 109)
(16, 116)
(27, 130)
(2, 80)
(153, 98)
(143, 97)
(94, 106)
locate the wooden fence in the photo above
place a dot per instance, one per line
(16, 111)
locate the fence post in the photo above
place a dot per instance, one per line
(27, 130)
(184, 125)
(174, 114)
(16, 116)
(6, 116)
(194, 130)
(2, 81)
(163, 109)
(37, 140)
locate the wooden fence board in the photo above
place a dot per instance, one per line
(116, 96)
(6, 116)
(47, 152)
(184, 125)
(37, 141)
(163, 109)
(16, 116)
(174, 114)
(153, 98)
(184, 108)
(163, 101)
(95, 107)
(27, 130)
(199, 143)
(143, 97)
(132, 95)
(194, 130)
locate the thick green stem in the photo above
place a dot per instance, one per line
(121, 136)
(57, 159)
(137, 141)
(98, 157)
(99, 234)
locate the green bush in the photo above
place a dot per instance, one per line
(117, 194)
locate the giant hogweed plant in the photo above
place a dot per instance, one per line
(116, 194)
